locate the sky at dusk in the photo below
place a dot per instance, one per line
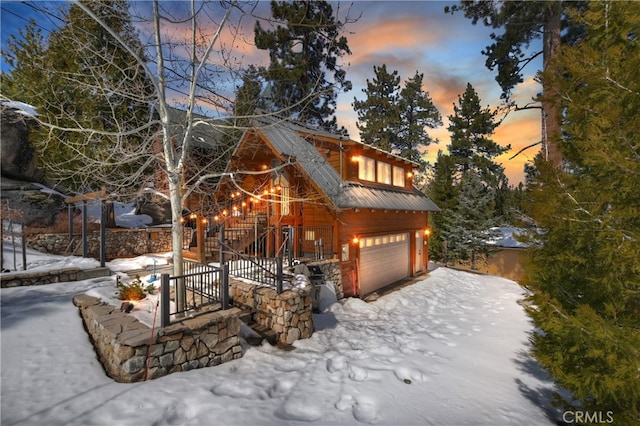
(407, 37)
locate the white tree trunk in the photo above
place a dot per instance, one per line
(177, 233)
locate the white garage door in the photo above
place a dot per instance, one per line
(383, 261)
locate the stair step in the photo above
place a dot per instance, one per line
(245, 316)
(266, 333)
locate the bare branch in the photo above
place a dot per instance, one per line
(524, 149)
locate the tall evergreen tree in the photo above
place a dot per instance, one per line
(59, 78)
(379, 115)
(586, 276)
(471, 157)
(302, 53)
(417, 113)
(395, 118)
(248, 95)
(466, 227)
(443, 191)
(522, 23)
(471, 147)
(25, 55)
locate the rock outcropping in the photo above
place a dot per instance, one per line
(20, 176)
(18, 161)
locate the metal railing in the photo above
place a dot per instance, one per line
(259, 269)
(266, 271)
(314, 242)
(200, 285)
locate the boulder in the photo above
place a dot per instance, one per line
(36, 205)
(18, 161)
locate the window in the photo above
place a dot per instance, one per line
(367, 169)
(398, 176)
(384, 172)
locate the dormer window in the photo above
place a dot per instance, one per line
(372, 170)
(367, 169)
(384, 173)
(398, 176)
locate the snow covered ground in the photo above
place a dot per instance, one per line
(448, 350)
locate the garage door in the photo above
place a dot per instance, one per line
(383, 261)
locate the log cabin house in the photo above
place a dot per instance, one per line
(291, 189)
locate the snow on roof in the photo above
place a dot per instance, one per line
(19, 107)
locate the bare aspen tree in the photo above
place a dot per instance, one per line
(185, 57)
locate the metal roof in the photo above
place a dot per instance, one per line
(287, 140)
(286, 137)
(354, 195)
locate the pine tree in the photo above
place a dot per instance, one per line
(25, 57)
(521, 24)
(466, 227)
(444, 192)
(59, 78)
(395, 118)
(301, 54)
(379, 114)
(586, 276)
(471, 147)
(417, 113)
(470, 157)
(248, 95)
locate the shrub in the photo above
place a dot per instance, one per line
(134, 290)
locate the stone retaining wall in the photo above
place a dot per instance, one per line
(122, 342)
(26, 278)
(120, 242)
(288, 314)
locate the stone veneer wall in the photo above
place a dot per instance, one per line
(120, 242)
(288, 314)
(122, 342)
(27, 278)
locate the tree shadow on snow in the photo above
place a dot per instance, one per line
(540, 395)
(34, 303)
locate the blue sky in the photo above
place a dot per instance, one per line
(408, 37)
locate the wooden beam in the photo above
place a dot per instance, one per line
(98, 195)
